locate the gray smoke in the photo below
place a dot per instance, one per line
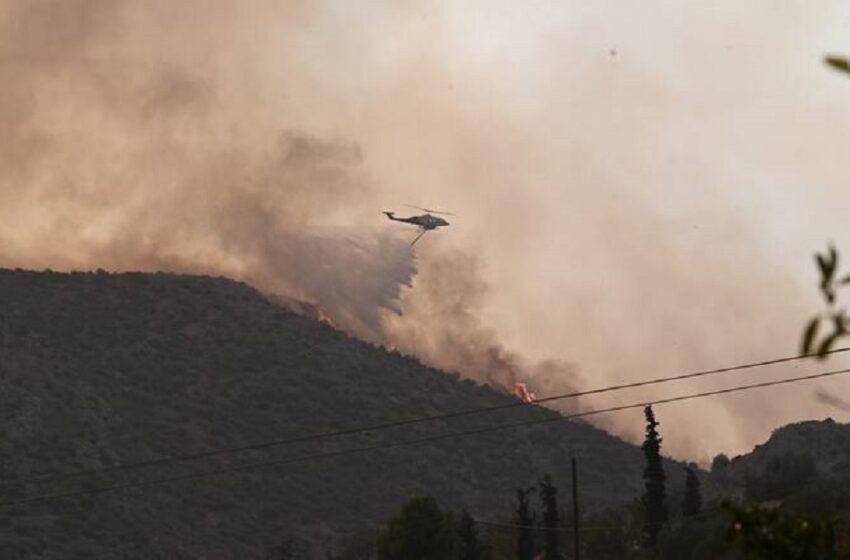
(633, 213)
(442, 324)
(115, 156)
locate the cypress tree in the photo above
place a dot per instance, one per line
(524, 521)
(549, 498)
(692, 502)
(654, 498)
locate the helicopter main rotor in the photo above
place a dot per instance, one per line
(429, 210)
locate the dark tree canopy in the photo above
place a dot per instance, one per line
(524, 521)
(549, 500)
(719, 463)
(777, 534)
(421, 531)
(654, 498)
(692, 502)
(470, 546)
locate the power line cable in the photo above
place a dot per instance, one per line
(404, 443)
(386, 425)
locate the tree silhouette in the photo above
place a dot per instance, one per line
(654, 498)
(549, 500)
(524, 521)
(470, 546)
(421, 531)
(692, 502)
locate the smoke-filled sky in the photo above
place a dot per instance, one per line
(639, 186)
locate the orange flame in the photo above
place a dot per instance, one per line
(522, 392)
(324, 317)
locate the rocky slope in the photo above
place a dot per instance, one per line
(805, 465)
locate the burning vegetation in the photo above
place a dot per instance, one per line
(523, 393)
(323, 316)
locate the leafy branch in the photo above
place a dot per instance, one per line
(835, 316)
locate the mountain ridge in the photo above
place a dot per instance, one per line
(100, 369)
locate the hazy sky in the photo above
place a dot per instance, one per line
(639, 185)
(644, 183)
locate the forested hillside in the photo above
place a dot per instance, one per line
(99, 370)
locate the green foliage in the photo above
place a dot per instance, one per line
(654, 498)
(828, 266)
(607, 536)
(421, 531)
(758, 533)
(838, 62)
(502, 544)
(834, 316)
(695, 539)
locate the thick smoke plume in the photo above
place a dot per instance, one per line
(618, 206)
(442, 324)
(120, 157)
(126, 153)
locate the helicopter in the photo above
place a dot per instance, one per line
(425, 222)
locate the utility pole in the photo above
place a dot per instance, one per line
(576, 547)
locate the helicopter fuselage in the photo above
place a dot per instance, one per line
(424, 221)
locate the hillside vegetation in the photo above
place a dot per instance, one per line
(805, 466)
(100, 369)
